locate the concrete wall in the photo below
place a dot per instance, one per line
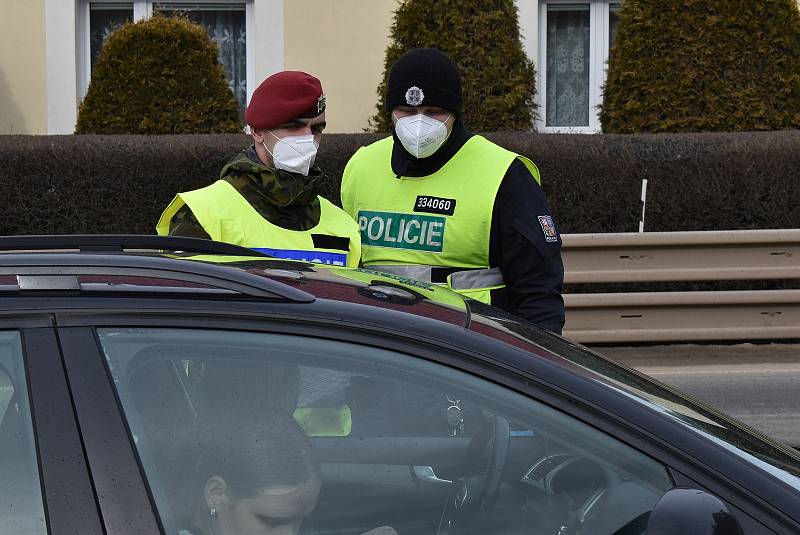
(343, 43)
(23, 86)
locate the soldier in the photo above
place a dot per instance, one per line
(266, 198)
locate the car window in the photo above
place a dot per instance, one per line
(774, 458)
(268, 431)
(21, 510)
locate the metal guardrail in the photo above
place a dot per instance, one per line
(682, 256)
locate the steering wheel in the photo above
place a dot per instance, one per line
(482, 470)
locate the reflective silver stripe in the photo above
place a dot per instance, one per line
(416, 271)
(476, 278)
(459, 280)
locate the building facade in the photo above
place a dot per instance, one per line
(48, 47)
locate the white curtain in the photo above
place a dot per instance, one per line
(567, 65)
(227, 27)
(613, 21)
(104, 19)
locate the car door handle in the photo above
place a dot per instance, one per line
(426, 473)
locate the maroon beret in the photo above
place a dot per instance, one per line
(285, 96)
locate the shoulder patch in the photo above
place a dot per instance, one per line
(548, 228)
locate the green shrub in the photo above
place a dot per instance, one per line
(703, 66)
(158, 76)
(698, 181)
(482, 38)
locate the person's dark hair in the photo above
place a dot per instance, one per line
(255, 453)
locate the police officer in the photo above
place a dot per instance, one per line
(438, 203)
(266, 198)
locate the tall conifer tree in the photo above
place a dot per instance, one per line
(704, 65)
(482, 38)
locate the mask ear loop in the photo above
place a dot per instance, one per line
(444, 125)
(269, 151)
(289, 145)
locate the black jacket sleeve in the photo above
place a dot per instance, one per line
(525, 244)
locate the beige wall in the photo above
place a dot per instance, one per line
(23, 87)
(343, 42)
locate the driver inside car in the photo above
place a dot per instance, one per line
(253, 478)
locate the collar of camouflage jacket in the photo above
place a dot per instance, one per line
(276, 187)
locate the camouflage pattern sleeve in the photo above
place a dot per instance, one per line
(184, 223)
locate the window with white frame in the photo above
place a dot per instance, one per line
(104, 18)
(226, 22)
(575, 37)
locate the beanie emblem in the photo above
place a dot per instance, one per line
(321, 103)
(414, 96)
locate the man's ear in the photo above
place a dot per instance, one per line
(258, 135)
(216, 492)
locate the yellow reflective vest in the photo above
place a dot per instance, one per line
(227, 216)
(434, 228)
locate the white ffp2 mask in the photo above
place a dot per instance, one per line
(294, 153)
(421, 135)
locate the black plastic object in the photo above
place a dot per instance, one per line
(390, 293)
(685, 511)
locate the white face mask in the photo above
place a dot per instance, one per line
(421, 135)
(294, 153)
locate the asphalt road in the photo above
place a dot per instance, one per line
(757, 384)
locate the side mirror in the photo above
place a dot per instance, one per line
(683, 511)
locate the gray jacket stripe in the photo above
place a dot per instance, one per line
(459, 280)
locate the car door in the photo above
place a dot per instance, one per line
(20, 496)
(391, 456)
(46, 486)
(394, 434)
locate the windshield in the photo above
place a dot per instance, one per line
(736, 437)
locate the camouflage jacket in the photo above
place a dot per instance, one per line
(288, 200)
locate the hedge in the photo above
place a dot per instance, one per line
(120, 184)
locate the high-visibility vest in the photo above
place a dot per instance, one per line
(434, 228)
(226, 216)
(336, 421)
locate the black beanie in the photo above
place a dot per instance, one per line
(424, 77)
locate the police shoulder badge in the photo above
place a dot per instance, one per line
(548, 228)
(414, 96)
